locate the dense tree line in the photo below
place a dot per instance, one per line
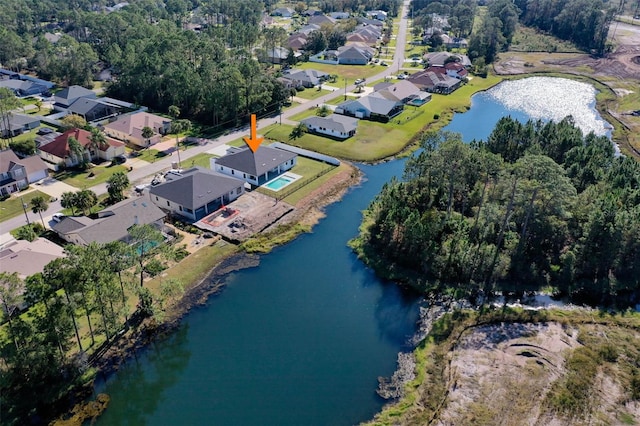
(77, 303)
(392, 7)
(460, 14)
(495, 32)
(583, 22)
(535, 205)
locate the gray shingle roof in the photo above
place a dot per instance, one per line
(113, 222)
(73, 92)
(374, 103)
(335, 122)
(258, 163)
(196, 187)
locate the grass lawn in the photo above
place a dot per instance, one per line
(308, 169)
(294, 198)
(312, 93)
(12, 206)
(82, 179)
(304, 114)
(375, 141)
(151, 155)
(350, 72)
(201, 160)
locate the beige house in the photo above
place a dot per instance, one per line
(58, 151)
(128, 128)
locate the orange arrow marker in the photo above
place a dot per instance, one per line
(253, 141)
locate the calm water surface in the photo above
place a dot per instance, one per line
(300, 340)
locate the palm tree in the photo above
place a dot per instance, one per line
(68, 200)
(116, 185)
(39, 205)
(147, 133)
(177, 127)
(298, 131)
(76, 149)
(85, 200)
(97, 140)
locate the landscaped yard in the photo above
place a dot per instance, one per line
(201, 160)
(308, 169)
(12, 206)
(374, 141)
(312, 93)
(90, 177)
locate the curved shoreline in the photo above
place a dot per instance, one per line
(199, 293)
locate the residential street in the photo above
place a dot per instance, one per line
(139, 174)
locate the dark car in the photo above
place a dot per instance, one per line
(120, 159)
(45, 131)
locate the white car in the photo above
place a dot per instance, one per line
(57, 217)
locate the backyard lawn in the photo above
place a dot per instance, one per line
(12, 206)
(313, 93)
(201, 160)
(375, 141)
(90, 177)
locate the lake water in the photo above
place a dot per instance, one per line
(299, 340)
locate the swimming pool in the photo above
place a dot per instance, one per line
(280, 182)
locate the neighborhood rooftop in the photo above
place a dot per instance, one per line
(258, 163)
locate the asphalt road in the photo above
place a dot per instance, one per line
(144, 174)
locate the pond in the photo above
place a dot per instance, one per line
(303, 338)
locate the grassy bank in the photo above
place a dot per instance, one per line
(376, 141)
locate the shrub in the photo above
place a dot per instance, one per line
(436, 116)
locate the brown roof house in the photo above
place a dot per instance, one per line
(57, 151)
(435, 79)
(17, 173)
(128, 128)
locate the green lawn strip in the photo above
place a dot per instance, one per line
(304, 114)
(312, 93)
(82, 179)
(12, 206)
(151, 155)
(350, 72)
(309, 187)
(201, 160)
(374, 141)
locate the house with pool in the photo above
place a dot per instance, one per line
(267, 164)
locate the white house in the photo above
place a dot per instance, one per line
(337, 126)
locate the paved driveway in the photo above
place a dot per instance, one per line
(54, 187)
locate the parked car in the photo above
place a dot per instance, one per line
(45, 130)
(57, 217)
(384, 64)
(359, 81)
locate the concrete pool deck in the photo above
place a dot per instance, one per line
(255, 212)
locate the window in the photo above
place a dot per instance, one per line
(156, 198)
(169, 203)
(180, 208)
(233, 172)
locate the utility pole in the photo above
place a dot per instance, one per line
(24, 207)
(345, 89)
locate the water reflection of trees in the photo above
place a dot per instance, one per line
(139, 387)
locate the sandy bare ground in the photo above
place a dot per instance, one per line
(500, 375)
